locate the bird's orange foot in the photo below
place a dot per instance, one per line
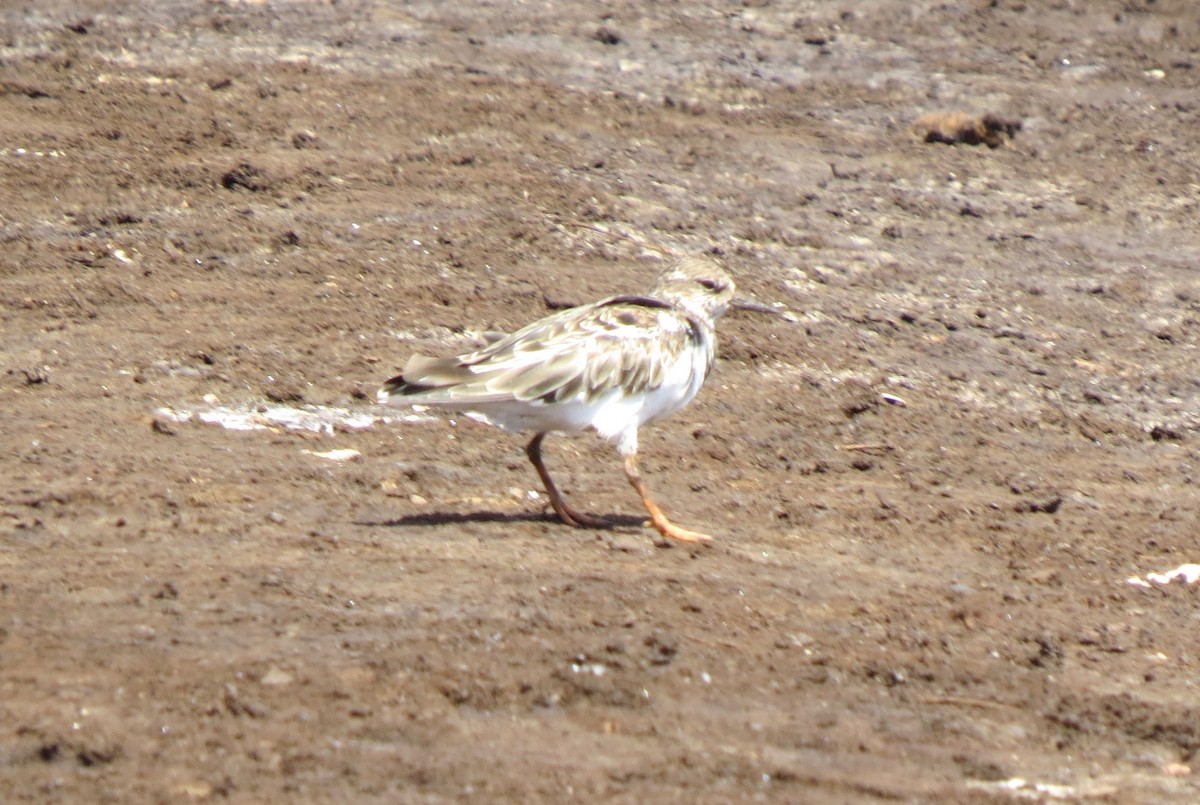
(657, 518)
(672, 531)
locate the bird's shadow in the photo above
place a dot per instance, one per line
(458, 518)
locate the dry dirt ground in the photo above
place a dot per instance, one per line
(929, 490)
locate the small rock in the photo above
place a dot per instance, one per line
(1161, 433)
(246, 177)
(607, 36)
(284, 392)
(305, 139)
(276, 676)
(953, 128)
(37, 376)
(1046, 506)
(624, 543)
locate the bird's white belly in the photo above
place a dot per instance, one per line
(612, 413)
(681, 382)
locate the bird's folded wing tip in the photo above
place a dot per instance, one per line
(390, 387)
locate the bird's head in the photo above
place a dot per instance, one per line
(698, 285)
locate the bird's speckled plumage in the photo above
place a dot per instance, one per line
(611, 366)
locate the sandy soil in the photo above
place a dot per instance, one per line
(929, 490)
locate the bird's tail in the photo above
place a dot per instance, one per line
(422, 379)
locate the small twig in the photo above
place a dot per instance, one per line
(75, 298)
(557, 304)
(593, 227)
(613, 232)
(963, 701)
(881, 446)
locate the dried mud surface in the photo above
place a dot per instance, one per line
(928, 490)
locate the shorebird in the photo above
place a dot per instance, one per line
(610, 366)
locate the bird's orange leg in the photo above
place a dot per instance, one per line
(657, 518)
(568, 515)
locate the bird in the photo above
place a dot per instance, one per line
(610, 366)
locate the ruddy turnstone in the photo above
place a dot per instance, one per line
(610, 366)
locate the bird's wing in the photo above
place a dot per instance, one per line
(625, 341)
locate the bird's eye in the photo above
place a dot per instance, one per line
(711, 285)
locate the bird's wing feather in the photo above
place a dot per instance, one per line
(624, 341)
